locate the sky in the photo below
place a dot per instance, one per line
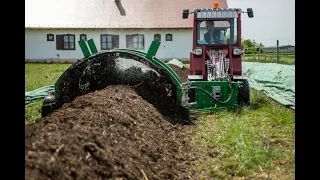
(273, 20)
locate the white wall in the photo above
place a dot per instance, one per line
(38, 48)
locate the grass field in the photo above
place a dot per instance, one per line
(288, 59)
(256, 141)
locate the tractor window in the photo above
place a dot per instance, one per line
(217, 32)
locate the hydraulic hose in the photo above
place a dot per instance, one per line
(206, 92)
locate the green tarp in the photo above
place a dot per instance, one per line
(277, 81)
(39, 93)
(176, 62)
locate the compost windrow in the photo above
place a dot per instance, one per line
(107, 134)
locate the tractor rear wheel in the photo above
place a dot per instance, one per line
(244, 93)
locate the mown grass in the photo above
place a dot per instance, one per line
(42, 74)
(38, 75)
(256, 141)
(269, 58)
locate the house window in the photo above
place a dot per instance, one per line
(83, 37)
(135, 41)
(109, 41)
(66, 42)
(50, 37)
(157, 37)
(168, 37)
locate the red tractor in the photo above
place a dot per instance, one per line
(216, 59)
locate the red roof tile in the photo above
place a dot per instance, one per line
(112, 14)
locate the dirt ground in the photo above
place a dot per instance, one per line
(182, 73)
(109, 134)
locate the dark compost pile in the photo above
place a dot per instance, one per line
(108, 134)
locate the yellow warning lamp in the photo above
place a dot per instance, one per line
(216, 5)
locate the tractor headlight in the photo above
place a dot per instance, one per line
(236, 51)
(197, 51)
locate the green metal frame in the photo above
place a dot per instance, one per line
(84, 48)
(92, 46)
(150, 55)
(205, 103)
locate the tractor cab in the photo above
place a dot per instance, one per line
(216, 34)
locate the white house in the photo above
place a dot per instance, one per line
(54, 27)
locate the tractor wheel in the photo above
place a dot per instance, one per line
(244, 93)
(48, 105)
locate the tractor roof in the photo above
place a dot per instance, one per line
(216, 13)
(217, 9)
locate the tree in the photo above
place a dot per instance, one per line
(250, 46)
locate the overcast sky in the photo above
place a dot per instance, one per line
(273, 20)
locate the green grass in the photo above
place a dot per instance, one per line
(38, 75)
(256, 141)
(269, 58)
(32, 111)
(42, 74)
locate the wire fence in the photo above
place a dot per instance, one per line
(282, 55)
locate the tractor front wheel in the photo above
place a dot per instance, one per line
(244, 93)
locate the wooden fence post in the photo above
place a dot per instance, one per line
(243, 52)
(277, 51)
(259, 52)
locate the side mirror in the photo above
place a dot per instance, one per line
(185, 13)
(250, 12)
